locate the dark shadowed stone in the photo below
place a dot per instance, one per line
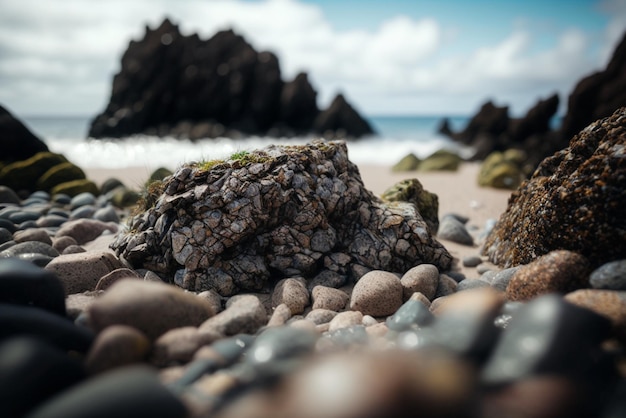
(610, 276)
(5, 235)
(7, 195)
(136, 391)
(29, 247)
(117, 346)
(546, 336)
(445, 286)
(572, 202)
(152, 308)
(412, 314)
(32, 371)
(18, 320)
(558, 271)
(341, 120)
(608, 303)
(18, 142)
(25, 284)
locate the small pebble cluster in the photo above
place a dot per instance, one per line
(83, 334)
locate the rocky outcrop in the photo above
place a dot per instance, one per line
(574, 201)
(171, 84)
(18, 142)
(340, 115)
(597, 95)
(240, 224)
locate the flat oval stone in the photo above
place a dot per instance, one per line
(29, 247)
(377, 293)
(611, 276)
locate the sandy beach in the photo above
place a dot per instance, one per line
(458, 193)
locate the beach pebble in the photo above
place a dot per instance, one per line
(79, 272)
(74, 249)
(8, 225)
(152, 308)
(609, 303)
(29, 247)
(28, 320)
(611, 276)
(321, 316)
(32, 234)
(61, 243)
(77, 303)
(445, 286)
(178, 345)
(412, 314)
(23, 216)
(279, 344)
(106, 214)
(471, 284)
(85, 230)
(51, 221)
(211, 296)
(293, 293)
(377, 293)
(32, 371)
(502, 278)
(109, 279)
(546, 335)
(126, 392)
(25, 284)
(5, 235)
(329, 298)
(559, 271)
(244, 316)
(344, 320)
(451, 229)
(82, 199)
(116, 346)
(82, 212)
(464, 321)
(471, 261)
(423, 278)
(280, 316)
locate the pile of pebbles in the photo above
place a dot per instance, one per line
(81, 334)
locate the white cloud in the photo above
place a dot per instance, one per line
(62, 54)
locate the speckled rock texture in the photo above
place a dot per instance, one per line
(575, 201)
(280, 212)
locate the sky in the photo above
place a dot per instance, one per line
(388, 57)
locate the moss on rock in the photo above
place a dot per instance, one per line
(74, 187)
(23, 175)
(58, 174)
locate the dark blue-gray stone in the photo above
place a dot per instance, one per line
(29, 247)
(411, 315)
(32, 223)
(8, 225)
(281, 343)
(32, 371)
(354, 335)
(8, 195)
(36, 259)
(452, 230)
(471, 284)
(23, 216)
(106, 214)
(83, 212)
(40, 195)
(82, 199)
(7, 245)
(17, 320)
(59, 212)
(546, 336)
(472, 261)
(502, 278)
(5, 235)
(51, 220)
(62, 199)
(8, 211)
(127, 392)
(609, 276)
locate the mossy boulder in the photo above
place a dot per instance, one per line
(58, 174)
(412, 191)
(123, 197)
(442, 160)
(502, 170)
(74, 187)
(408, 163)
(23, 175)
(159, 174)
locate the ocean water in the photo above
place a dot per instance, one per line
(396, 137)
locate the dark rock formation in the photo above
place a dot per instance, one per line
(340, 115)
(575, 201)
(238, 225)
(597, 95)
(18, 142)
(171, 84)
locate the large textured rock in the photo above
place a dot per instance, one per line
(17, 141)
(280, 212)
(575, 200)
(171, 84)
